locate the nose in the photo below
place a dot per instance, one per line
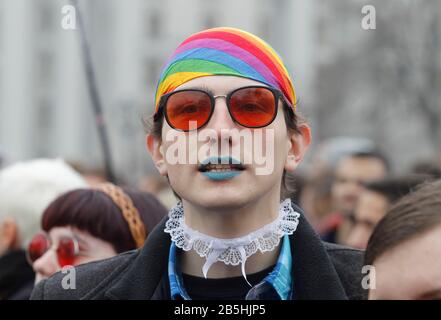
(46, 265)
(221, 118)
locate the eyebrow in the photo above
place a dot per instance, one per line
(203, 88)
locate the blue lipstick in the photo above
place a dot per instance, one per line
(221, 175)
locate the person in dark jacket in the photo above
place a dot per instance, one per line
(225, 131)
(16, 276)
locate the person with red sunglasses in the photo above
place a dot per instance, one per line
(86, 225)
(225, 108)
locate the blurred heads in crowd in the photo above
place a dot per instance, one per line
(350, 174)
(332, 150)
(374, 202)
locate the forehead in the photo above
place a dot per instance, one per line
(57, 232)
(68, 231)
(410, 270)
(364, 166)
(220, 84)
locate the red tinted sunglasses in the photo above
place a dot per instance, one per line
(251, 107)
(66, 250)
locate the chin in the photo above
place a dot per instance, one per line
(221, 200)
(39, 277)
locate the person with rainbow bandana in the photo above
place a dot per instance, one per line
(224, 99)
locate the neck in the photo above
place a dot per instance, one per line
(227, 223)
(191, 263)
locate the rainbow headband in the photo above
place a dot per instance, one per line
(225, 51)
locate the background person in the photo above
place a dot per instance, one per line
(405, 248)
(86, 225)
(351, 173)
(374, 202)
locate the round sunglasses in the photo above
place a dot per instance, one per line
(251, 107)
(66, 250)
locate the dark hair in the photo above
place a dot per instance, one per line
(293, 121)
(428, 168)
(375, 154)
(95, 212)
(411, 216)
(394, 188)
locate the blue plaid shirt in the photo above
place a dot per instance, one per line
(278, 285)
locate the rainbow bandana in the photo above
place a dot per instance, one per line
(225, 51)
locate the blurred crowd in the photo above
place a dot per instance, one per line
(350, 186)
(54, 213)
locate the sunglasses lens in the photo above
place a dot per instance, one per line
(37, 247)
(66, 251)
(184, 107)
(253, 107)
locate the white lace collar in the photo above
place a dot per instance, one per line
(231, 251)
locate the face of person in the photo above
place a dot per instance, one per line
(282, 150)
(410, 271)
(371, 207)
(90, 249)
(349, 176)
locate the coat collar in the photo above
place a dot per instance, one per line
(314, 274)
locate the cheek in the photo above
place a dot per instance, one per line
(280, 144)
(175, 148)
(176, 159)
(341, 189)
(179, 175)
(269, 151)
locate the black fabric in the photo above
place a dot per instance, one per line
(16, 276)
(320, 271)
(235, 288)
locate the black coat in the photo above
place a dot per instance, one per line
(16, 276)
(320, 271)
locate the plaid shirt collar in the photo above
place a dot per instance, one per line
(278, 285)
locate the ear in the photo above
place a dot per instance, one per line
(9, 234)
(154, 146)
(297, 146)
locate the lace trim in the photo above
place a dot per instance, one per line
(231, 251)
